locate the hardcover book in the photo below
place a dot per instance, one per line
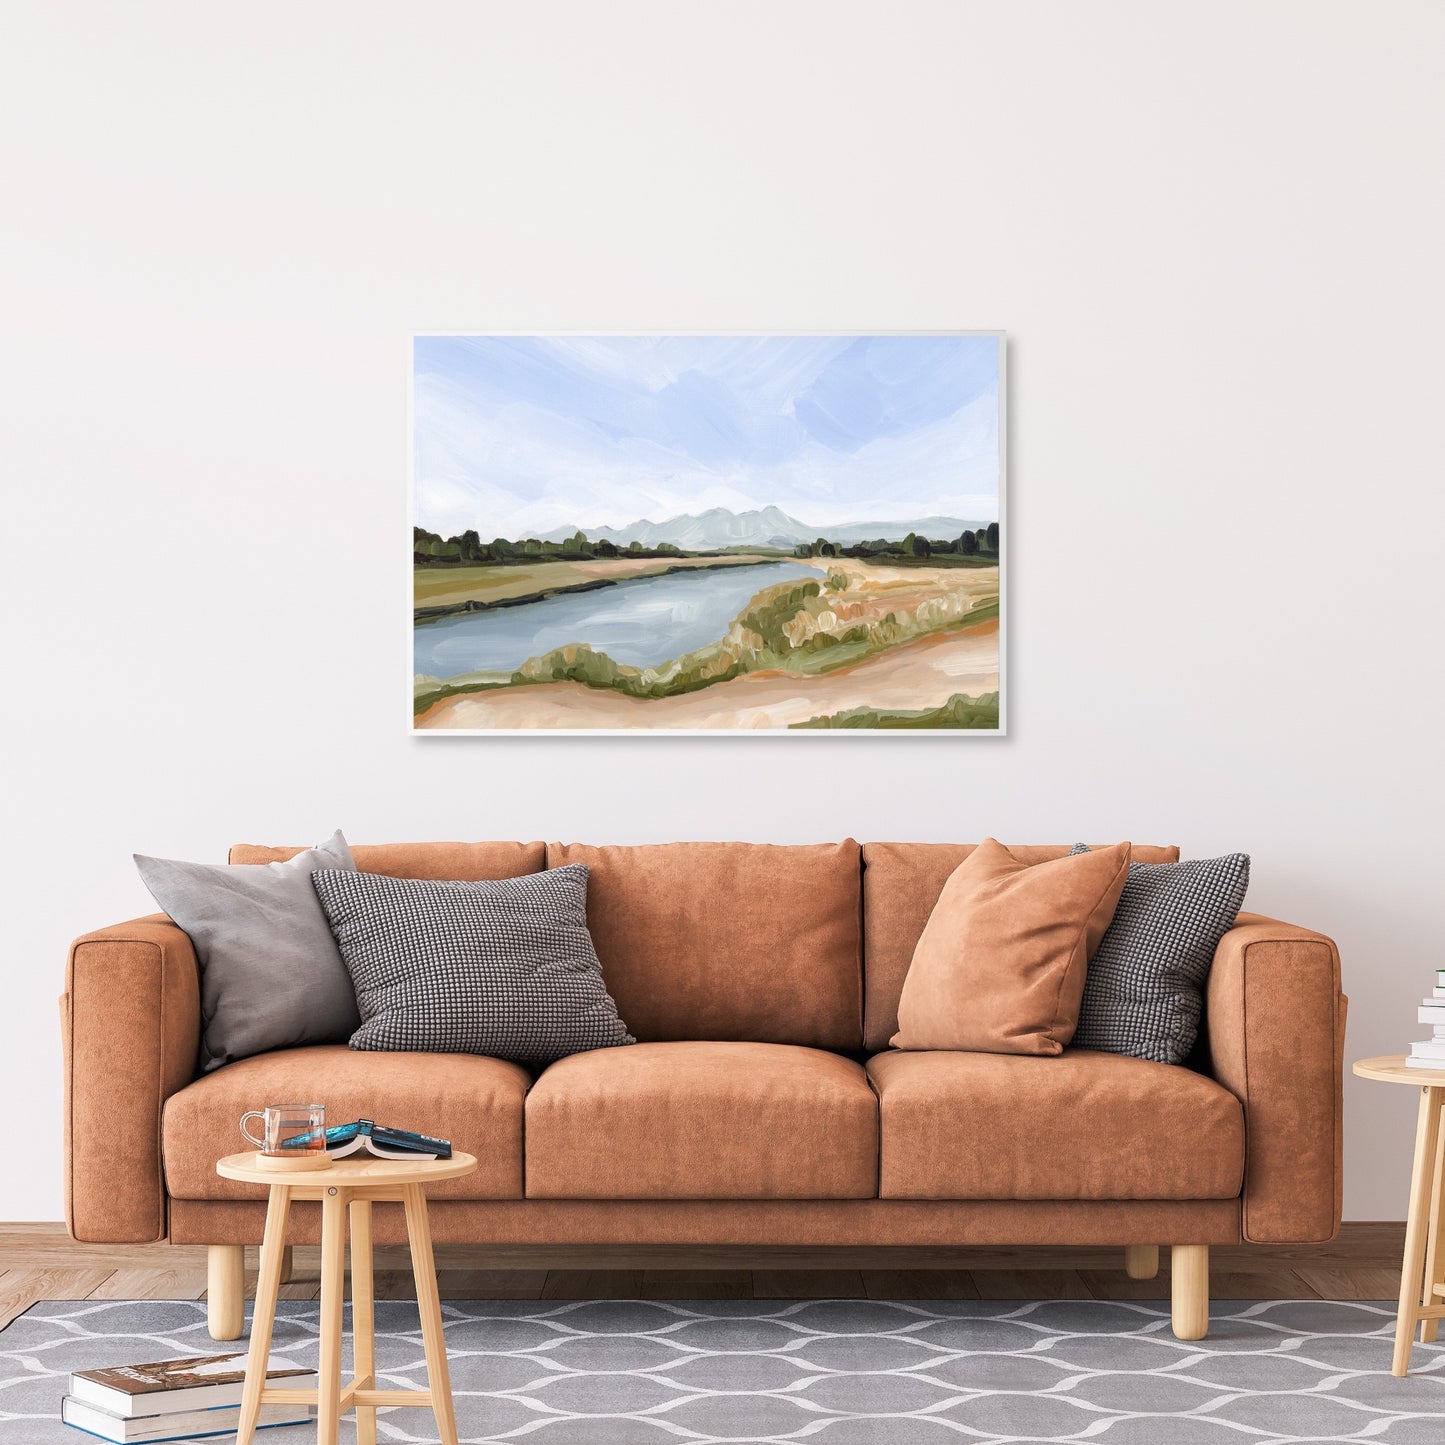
(177, 1425)
(195, 1382)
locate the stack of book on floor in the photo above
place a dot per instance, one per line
(177, 1399)
(1430, 1053)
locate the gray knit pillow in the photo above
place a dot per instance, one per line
(502, 967)
(1144, 991)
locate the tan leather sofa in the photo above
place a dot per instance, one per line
(762, 1105)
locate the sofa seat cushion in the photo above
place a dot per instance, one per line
(702, 1120)
(473, 1101)
(1081, 1125)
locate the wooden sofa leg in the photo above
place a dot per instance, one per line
(288, 1263)
(1189, 1290)
(226, 1290)
(1141, 1261)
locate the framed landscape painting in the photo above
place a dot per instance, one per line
(710, 534)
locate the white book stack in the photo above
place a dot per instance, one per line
(1430, 1053)
(185, 1399)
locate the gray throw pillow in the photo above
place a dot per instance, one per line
(271, 977)
(1144, 991)
(502, 967)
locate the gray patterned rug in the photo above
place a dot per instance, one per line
(836, 1372)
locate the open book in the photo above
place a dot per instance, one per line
(368, 1137)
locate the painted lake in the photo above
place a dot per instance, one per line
(640, 621)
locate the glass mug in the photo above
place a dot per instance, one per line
(282, 1123)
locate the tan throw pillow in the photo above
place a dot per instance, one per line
(1000, 966)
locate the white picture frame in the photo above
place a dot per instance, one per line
(540, 439)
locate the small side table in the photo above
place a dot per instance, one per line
(1422, 1272)
(351, 1185)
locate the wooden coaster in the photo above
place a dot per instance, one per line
(299, 1163)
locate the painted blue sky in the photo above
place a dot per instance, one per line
(516, 436)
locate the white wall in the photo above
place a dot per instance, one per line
(1210, 231)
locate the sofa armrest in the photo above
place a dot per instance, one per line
(1275, 1022)
(131, 1026)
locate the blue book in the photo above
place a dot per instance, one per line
(373, 1138)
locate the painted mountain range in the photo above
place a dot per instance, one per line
(765, 527)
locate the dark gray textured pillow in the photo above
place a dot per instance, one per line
(503, 967)
(271, 977)
(1144, 991)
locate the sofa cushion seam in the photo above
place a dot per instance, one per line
(877, 1133)
(862, 956)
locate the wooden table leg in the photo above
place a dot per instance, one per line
(1417, 1226)
(1428, 1328)
(268, 1288)
(363, 1317)
(429, 1306)
(333, 1281)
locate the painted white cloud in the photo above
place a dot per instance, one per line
(514, 468)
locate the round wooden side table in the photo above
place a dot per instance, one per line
(1422, 1272)
(351, 1186)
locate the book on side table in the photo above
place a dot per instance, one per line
(1430, 1053)
(183, 1399)
(367, 1136)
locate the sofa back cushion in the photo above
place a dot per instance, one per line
(901, 883)
(739, 941)
(470, 862)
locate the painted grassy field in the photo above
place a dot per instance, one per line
(830, 650)
(439, 589)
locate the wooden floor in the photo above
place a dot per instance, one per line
(39, 1261)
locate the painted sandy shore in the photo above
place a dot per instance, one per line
(925, 673)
